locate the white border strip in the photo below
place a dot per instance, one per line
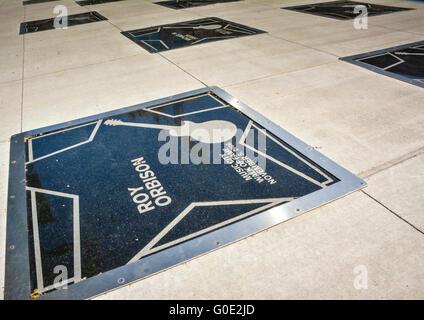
(281, 164)
(76, 236)
(147, 249)
(30, 147)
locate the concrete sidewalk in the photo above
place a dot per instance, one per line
(370, 124)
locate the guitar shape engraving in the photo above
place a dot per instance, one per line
(213, 131)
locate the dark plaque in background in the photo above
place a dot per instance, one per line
(72, 20)
(94, 2)
(183, 4)
(188, 33)
(27, 2)
(404, 62)
(104, 199)
(344, 10)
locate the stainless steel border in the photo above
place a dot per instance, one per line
(127, 33)
(166, 4)
(23, 25)
(17, 263)
(353, 60)
(299, 8)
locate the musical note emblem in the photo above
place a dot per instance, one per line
(213, 131)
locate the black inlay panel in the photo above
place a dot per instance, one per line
(36, 1)
(344, 10)
(183, 4)
(84, 185)
(404, 62)
(48, 24)
(189, 33)
(93, 2)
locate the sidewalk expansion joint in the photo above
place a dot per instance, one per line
(394, 213)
